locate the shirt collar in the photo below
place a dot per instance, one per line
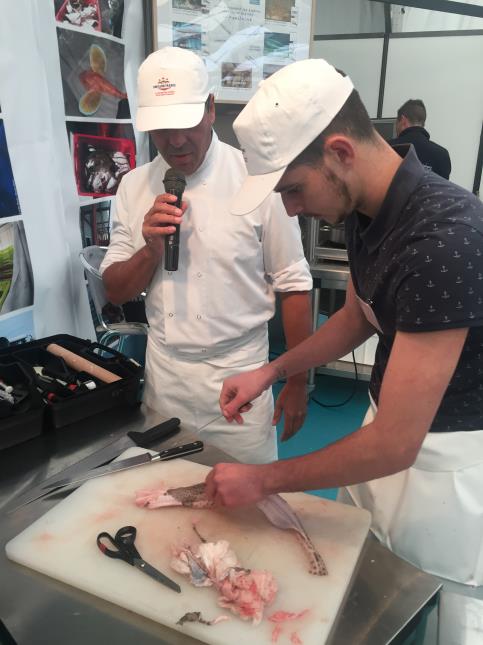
(407, 177)
(206, 165)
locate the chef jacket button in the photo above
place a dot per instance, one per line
(199, 317)
(200, 228)
(171, 314)
(199, 274)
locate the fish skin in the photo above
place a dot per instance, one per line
(95, 81)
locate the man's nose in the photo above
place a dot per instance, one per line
(293, 205)
(176, 138)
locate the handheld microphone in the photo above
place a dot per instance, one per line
(174, 184)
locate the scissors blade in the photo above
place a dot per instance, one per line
(139, 563)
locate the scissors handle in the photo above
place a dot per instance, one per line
(123, 543)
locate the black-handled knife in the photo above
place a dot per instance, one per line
(131, 462)
(99, 458)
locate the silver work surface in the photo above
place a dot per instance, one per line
(387, 592)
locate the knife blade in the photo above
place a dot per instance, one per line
(100, 457)
(131, 462)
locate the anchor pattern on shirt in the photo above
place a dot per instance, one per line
(427, 275)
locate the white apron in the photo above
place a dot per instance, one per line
(189, 388)
(432, 515)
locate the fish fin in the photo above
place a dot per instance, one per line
(89, 103)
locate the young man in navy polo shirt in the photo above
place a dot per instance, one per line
(415, 246)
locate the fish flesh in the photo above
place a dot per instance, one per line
(245, 592)
(97, 82)
(274, 507)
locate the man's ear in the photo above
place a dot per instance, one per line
(340, 148)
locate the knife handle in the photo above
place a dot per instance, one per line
(179, 451)
(161, 431)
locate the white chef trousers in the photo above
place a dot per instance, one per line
(432, 515)
(190, 389)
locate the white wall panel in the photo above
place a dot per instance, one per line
(360, 58)
(446, 73)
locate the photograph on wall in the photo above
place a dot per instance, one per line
(275, 44)
(18, 327)
(270, 69)
(189, 5)
(95, 223)
(187, 35)
(100, 15)
(102, 154)
(239, 41)
(280, 10)
(236, 75)
(9, 205)
(92, 70)
(16, 279)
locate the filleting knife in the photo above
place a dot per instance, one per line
(100, 457)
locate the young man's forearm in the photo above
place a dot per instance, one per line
(342, 333)
(124, 281)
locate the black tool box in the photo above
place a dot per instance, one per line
(49, 394)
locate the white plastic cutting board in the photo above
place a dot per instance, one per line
(62, 544)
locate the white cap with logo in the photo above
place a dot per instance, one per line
(288, 111)
(173, 85)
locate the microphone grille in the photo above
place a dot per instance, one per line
(174, 180)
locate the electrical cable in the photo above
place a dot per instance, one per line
(332, 405)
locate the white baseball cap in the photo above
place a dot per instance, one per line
(173, 85)
(288, 111)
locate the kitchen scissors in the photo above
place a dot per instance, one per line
(124, 549)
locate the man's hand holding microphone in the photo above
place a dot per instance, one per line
(162, 222)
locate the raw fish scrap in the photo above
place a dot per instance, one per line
(274, 507)
(245, 592)
(280, 514)
(196, 617)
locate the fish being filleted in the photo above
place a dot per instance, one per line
(274, 507)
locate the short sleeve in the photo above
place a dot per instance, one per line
(440, 280)
(121, 246)
(283, 253)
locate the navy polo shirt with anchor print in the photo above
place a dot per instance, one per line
(419, 265)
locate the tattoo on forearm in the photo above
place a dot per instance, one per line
(281, 372)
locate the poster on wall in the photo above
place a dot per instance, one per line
(16, 279)
(102, 153)
(241, 41)
(95, 223)
(9, 205)
(92, 70)
(100, 15)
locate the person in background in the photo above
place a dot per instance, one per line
(208, 319)
(411, 118)
(415, 248)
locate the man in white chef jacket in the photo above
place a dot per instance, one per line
(415, 248)
(208, 319)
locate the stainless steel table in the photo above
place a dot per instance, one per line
(386, 595)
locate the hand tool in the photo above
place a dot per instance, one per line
(124, 549)
(81, 364)
(100, 457)
(131, 462)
